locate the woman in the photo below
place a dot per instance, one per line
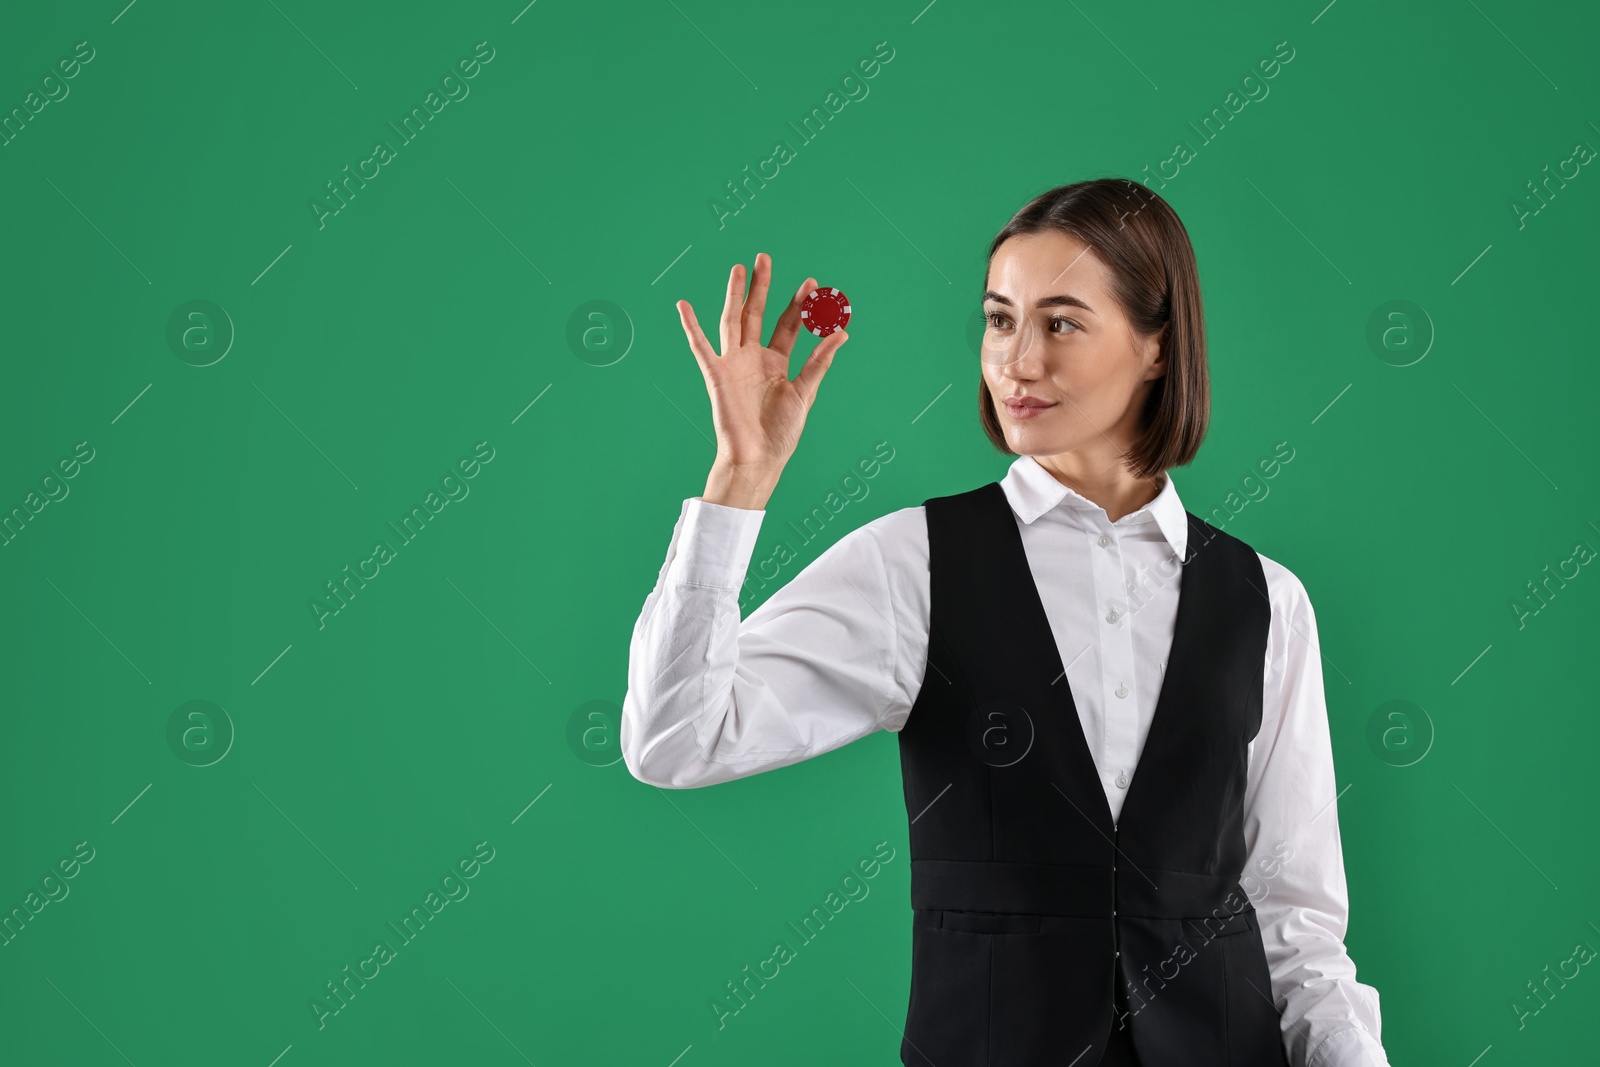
(1117, 766)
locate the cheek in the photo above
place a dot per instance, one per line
(992, 376)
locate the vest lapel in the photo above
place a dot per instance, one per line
(1195, 591)
(1033, 626)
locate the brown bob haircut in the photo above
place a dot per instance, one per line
(1146, 250)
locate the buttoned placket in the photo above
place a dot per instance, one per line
(1120, 722)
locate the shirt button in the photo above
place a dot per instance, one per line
(1122, 783)
(1122, 690)
(1105, 539)
(1113, 616)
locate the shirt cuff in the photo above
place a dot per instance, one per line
(1354, 1047)
(715, 543)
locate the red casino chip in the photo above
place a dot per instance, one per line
(825, 311)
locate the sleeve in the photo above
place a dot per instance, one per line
(1295, 867)
(712, 698)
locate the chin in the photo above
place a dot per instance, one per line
(1031, 446)
(1032, 441)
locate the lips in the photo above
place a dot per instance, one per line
(1027, 407)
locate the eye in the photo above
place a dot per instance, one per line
(988, 320)
(1064, 322)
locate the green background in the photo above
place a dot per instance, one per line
(366, 756)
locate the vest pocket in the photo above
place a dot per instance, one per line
(947, 1019)
(1207, 927)
(989, 922)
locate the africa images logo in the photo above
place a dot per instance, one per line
(342, 590)
(339, 992)
(852, 887)
(413, 123)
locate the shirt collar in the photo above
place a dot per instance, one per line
(1032, 491)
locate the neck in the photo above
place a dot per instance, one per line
(1113, 488)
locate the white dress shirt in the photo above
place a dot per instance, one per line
(840, 652)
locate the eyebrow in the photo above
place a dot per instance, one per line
(1064, 300)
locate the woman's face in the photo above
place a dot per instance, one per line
(1053, 332)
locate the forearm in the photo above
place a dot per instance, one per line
(680, 655)
(713, 697)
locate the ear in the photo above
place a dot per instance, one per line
(1155, 354)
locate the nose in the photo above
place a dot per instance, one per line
(1019, 354)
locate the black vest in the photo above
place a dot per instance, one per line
(1028, 902)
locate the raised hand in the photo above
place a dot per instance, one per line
(758, 411)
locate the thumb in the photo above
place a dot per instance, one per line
(817, 365)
